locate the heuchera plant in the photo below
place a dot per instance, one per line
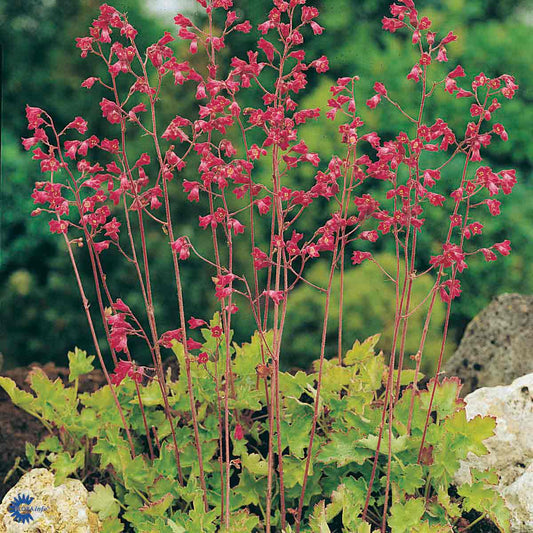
(272, 451)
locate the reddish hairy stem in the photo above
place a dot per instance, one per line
(181, 307)
(319, 385)
(96, 346)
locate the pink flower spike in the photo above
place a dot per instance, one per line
(193, 345)
(449, 38)
(498, 129)
(58, 226)
(358, 257)
(494, 207)
(276, 296)
(488, 254)
(231, 309)
(457, 72)
(127, 369)
(239, 433)
(450, 290)
(196, 323)
(243, 27)
(166, 340)
(380, 88)
(374, 101)
(371, 235)
(123, 369)
(317, 28)
(216, 332)
(89, 82)
(461, 93)
(415, 73)
(441, 56)
(99, 247)
(321, 64)
(182, 247)
(119, 305)
(390, 24)
(425, 59)
(503, 247)
(79, 124)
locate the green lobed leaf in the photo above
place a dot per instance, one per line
(255, 464)
(175, 528)
(102, 500)
(361, 351)
(31, 454)
(19, 397)
(242, 522)
(79, 364)
(404, 517)
(165, 465)
(446, 399)
(297, 432)
(50, 444)
(52, 397)
(318, 521)
(293, 471)
(112, 525)
(294, 385)
(398, 444)
(409, 478)
(344, 448)
(113, 450)
(137, 475)
(445, 461)
(452, 509)
(402, 410)
(64, 465)
(486, 500)
(470, 434)
(334, 378)
(248, 355)
(159, 507)
(150, 395)
(248, 491)
(426, 527)
(407, 376)
(349, 498)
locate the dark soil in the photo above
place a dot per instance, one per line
(18, 427)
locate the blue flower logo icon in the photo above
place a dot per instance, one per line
(20, 509)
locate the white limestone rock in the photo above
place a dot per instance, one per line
(519, 496)
(511, 447)
(61, 509)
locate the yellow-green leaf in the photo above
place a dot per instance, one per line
(102, 501)
(79, 363)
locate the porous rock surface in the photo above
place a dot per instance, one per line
(66, 509)
(511, 447)
(497, 346)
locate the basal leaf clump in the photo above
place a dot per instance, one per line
(87, 441)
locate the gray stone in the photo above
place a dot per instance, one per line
(61, 509)
(518, 496)
(497, 346)
(511, 447)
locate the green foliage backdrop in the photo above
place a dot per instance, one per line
(40, 312)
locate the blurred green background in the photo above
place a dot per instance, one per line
(40, 311)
